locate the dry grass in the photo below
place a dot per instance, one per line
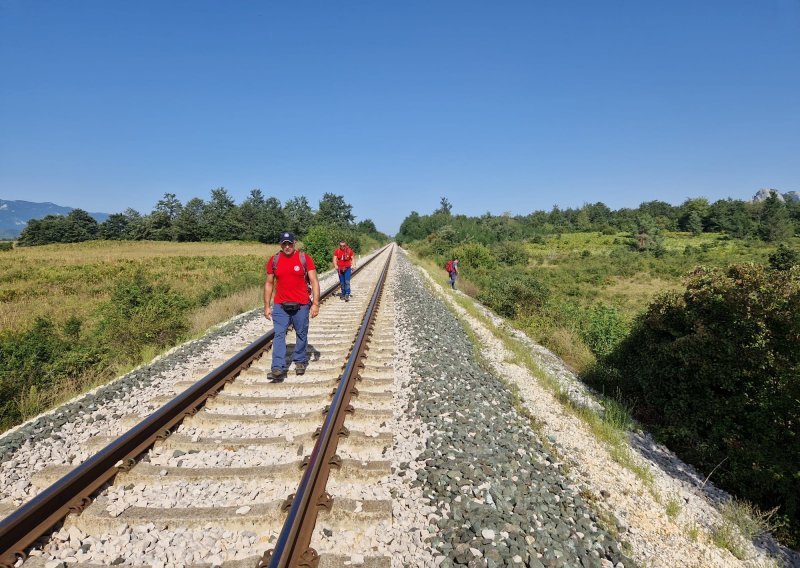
(568, 345)
(60, 281)
(637, 292)
(224, 309)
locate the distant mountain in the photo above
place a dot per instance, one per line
(14, 215)
(789, 196)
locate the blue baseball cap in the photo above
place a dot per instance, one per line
(287, 237)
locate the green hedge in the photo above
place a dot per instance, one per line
(715, 372)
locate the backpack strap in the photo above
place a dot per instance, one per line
(275, 262)
(303, 262)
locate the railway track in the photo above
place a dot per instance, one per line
(244, 472)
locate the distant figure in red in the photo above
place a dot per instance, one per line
(343, 260)
(452, 270)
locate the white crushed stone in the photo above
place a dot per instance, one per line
(408, 538)
(184, 493)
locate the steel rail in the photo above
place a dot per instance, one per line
(72, 493)
(293, 547)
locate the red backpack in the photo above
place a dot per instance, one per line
(449, 266)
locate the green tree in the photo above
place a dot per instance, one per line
(299, 215)
(647, 236)
(79, 226)
(411, 229)
(692, 207)
(138, 227)
(113, 228)
(249, 213)
(334, 210)
(163, 217)
(221, 217)
(694, 223)
(320, 242)
(190, 225)
(445, 207)
(271, 221)
(774, 223)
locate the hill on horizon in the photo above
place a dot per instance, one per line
(14, 215)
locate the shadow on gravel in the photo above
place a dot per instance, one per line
(312, 352)
(670, 464)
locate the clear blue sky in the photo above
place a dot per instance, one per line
(500, 106)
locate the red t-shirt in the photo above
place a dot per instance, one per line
(344, 257)
(290, 280)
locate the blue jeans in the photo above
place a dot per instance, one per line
(453, 280)
(344, 280)
(281, 321)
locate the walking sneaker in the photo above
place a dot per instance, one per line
(277, 375)
(300, 368)
(347, 298)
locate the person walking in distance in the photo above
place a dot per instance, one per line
(452, 270)
(290, 273)
(343, 260)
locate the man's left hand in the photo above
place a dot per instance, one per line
(314, 310)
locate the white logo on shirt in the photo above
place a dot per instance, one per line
(297, 269)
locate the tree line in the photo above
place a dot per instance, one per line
(257, 218)
(771, 220)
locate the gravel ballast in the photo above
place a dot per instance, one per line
(639, 509)
(499, 494)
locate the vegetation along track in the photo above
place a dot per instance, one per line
(213, 490)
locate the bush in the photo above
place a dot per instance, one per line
(35, 361)
(322, 240)
(716, 371)
(6, 245)
(784, 258)
(139, 315)
(512, 253)
(513, 293)
(474, 256)
(604, 329)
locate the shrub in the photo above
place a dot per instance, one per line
(604, 329)
(474, 256)
(512, 253)
(6, 245)
(716, 371)
(511, 293)
(141, 314)
(784, 258)
(322, 240)
(33, 362)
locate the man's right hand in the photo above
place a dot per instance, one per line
(268, 312)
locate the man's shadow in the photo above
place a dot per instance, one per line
(313, 352)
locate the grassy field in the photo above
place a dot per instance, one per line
(595, 279)
(590, 267)
(73, 316)
(63, 281)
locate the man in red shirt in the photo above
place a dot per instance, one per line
(343, 261)
(290, 272)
